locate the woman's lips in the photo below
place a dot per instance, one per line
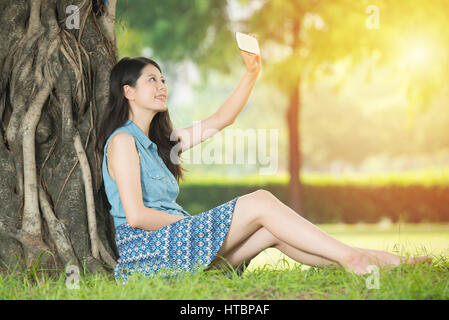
(161, 98)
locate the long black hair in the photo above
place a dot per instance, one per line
(126, 72)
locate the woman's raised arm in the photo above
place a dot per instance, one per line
(228, 111)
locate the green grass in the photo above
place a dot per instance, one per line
(275, 277)
(405, 282)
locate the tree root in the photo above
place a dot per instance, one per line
(97, 246)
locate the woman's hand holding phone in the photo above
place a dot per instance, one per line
(252, 61)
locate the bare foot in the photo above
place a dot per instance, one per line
(415, 260)
(394, 260)
(361, 264)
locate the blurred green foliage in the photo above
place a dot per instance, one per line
(177, 30)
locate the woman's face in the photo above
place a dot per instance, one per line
(150, 91)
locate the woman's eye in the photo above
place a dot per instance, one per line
(153, 78)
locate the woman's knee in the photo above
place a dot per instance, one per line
(257, 203)
(262, 196)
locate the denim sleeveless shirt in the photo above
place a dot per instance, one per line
(159, 187)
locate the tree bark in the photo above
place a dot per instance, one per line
(53, 88)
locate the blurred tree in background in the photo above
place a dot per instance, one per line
(303, 40)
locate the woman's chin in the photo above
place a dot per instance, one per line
(160, 108)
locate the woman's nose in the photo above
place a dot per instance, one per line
(163, 89)
(162, 85)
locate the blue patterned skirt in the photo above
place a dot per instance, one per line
(189, 244)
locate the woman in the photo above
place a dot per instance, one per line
(140, 172)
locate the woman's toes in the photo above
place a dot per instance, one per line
(413, 260)
(421, 259)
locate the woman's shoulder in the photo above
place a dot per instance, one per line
(122, 147)
(122, 139)
(122, 142)
(121, 134)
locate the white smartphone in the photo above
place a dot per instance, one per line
(247, 43)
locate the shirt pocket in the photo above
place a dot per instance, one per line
(154, 184)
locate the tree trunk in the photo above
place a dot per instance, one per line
(293, 119)
(54, 84)
(295, 197)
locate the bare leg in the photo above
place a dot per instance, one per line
(304, 257)
(262, 209)
(261, 240)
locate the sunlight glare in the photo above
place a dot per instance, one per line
(418, 54)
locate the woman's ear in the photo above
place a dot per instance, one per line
(128, 92)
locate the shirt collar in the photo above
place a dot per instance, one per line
(142, 137)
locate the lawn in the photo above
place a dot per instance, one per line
(273, 276)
